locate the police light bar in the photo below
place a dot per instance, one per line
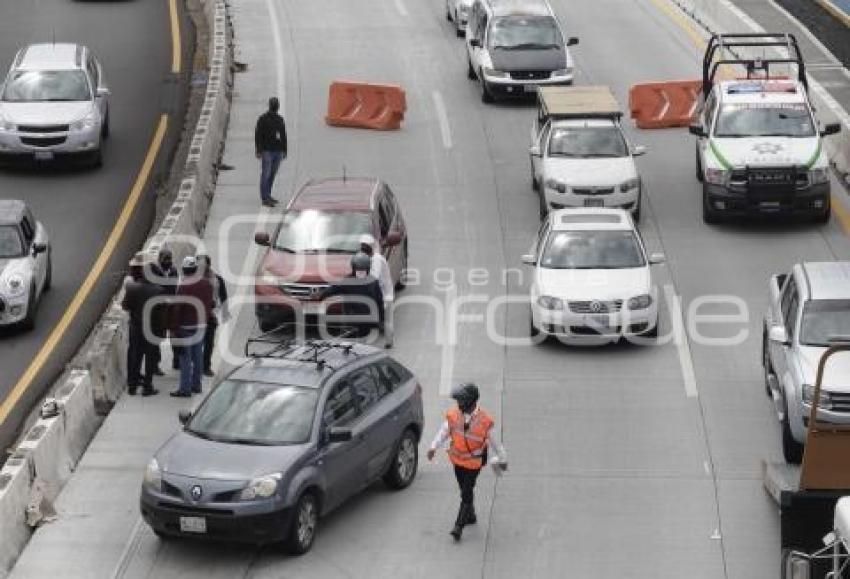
(770, 86)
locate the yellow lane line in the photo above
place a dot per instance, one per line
(94, 274)
(835, 11)
(176, 49)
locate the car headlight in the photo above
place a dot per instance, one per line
(716, 176)
(153, 476)
(6, 126)
(809, 397)
(629, 185)
(640, 302)
(87, 122)
(14, 284)
(493, 73)
(819, 176)
(261, 487)
(556, 185)
(550, 303)
(563, 71)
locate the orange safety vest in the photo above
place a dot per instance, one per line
(467, 446)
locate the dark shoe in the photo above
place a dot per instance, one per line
(209, 373)
(471, 519)
(456, 532)
(150, 392)
(274, 201)
(175, 365)
(178, 394)
(158, 372)
(198, 391)
(268, 203)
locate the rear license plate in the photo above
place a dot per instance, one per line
(193, 525)
(594, 202)
(44, 155)
(530, 88)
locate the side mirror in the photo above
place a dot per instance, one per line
(184, 416)
(474, 43)
(657, 258)
(831, 129)
(696, 130)
(393, 238)
(639, 150)
(262, 238)
(572, 41)
(337, 434)
(102, 91)
(39, 247)
(797, 566)
(528, 259)
(534, 150)
(778, 335)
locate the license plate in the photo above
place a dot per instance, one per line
(44, 155)
(312, 308)
(769, 206)
(599, 322)
(530, 88)
(193, 525)
(594, 202)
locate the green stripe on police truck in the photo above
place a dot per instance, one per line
(713, 146)
(815, 157)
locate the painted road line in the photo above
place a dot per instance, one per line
(443, 119)
(97, 269)
(280, 76)
(176, 42)
(680, 337)
(836, 10)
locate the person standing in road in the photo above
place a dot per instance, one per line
(166, 276)
(469, 431)
(380, 270)
(189, 317)
(270, 145)
(144, 325)
(219, 312)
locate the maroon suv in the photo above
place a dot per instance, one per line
(312, 245)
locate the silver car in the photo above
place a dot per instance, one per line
(283, 439)
(54, 102)
(25, 269)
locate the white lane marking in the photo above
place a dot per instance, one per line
(447, 357)
(442, 117)
(280, 75)
(130, 550)
(402, 9)
(680, 336)
(664, 108)
(706, 466)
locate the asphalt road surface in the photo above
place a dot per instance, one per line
(80, 207)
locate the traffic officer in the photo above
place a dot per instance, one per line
(469, 431)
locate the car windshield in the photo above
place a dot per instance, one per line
(47, 86)
(587, 142)
(824, 320)
(256, 413)
(592, 250)
(10, 242)
(764, 120)
(314, 231)
(524, 32)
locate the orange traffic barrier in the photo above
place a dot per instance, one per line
(368, 106)
(657, 105)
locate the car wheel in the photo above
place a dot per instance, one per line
(791, 449)
(709, 215)
(768, 370)
(405, 462)
(402, 280)
(533, 331)
(304, 524)
(824, 217)
(543, 209)
(636, 212)
(28, 323)
(104, 129)
(653, 331)
(48, 277)
(97, 158)
(700, 176)
(470, 72)
(486, 96)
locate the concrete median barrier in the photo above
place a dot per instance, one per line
(364, 105)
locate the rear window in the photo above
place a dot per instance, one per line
(47, 86)
(587, 142)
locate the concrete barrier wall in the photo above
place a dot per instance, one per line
(722, 16)
(52, 447)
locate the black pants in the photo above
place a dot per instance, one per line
(466, 479)
(209, 342)
(140, 350)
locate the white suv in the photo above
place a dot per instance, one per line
(54, 103)
(457, 12)
(592, 279)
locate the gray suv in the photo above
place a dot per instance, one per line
(285, 438)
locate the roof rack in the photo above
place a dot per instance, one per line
(721, 46)
(577, 102)
(310, 351)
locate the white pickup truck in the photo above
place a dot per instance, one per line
(809, 309)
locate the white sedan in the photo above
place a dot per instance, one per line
(592, 277)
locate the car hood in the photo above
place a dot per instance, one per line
(45, 113)
(306, 268)
(593, 284)
(836, 374)
(8, 266)
(533, 59)
(766, 151)
(188, 455)
(589, 172)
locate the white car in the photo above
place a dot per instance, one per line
(457, 12)
(592, 277)
(54, 103)
(25, 270)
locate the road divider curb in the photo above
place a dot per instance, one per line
(52, 446)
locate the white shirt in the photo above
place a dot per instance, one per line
(380, 270)
(493, 441)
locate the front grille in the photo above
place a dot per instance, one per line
(195, 510)
(601, 307)
(840, 402)
(171, 490)
(43, 141)
(43, 129)
(304, 291)
(593, 190)
(227, 496)
(530, 74)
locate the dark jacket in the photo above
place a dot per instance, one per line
(167, 279)
(270, 133)
(136, 296)
(365, 288)
(184, 312)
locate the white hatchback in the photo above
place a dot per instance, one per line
(592, 277)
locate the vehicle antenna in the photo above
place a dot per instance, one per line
(343, 173)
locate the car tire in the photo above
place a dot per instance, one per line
(823, 218)
(486, 96)
(709, 215)
(700, 176)
(542, 209)
(405, 461)
(305, 521)
(533, 331)
(791, 449)
(48, 277)
(768, 369)
(402, 280)
(652, 332)
(28, 323)
(104, 128)
(470, 72)
(97, 158)
(636, 213)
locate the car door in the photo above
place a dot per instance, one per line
(539, 146)
(707, 121)
(478, 33)
(781, 353)
(343, 463)
(37, 261)
(94, 73)
(376, 419)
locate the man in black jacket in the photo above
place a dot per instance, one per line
(166, 276)
(144, 325)
(219, 310)
(270, 144)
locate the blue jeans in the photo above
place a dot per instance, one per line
(191, 360)
(270, 162)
